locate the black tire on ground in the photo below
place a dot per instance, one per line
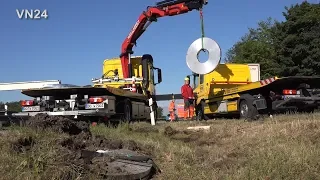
(127, 111)
(247, 110)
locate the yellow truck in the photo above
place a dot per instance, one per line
(236, 90)
(110, 97)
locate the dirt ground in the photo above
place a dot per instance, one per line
(78, 138)
(284, 147)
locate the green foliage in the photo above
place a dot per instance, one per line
(256, 47)
(287, 48)
(298, 40)
(12, 106)
(159, 112)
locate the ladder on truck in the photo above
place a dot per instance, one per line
(132, 81)
(12, 86)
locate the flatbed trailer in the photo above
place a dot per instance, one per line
(110, 98)
(266, 96)
(102, 103)
(6, 115)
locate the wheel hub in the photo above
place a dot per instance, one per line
(244, 109)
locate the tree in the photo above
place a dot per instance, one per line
(256, 47)
(159, 112)
(12, 106)
(287, 48)
(298, 40)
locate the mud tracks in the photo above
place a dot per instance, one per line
(77, 140)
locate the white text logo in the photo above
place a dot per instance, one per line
(32, 14)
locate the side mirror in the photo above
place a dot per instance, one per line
(159, 76)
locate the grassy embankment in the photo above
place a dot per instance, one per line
(286, 147)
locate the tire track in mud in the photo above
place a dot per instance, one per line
(79, 139)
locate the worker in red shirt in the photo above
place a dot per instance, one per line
(188, 98)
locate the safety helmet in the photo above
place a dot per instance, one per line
(186, 79)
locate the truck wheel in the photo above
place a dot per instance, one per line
(127, 111)
(248, 111)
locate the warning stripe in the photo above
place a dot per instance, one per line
(267, 81)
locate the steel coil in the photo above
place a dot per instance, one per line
(194, 50)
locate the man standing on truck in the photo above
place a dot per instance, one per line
(188, 98)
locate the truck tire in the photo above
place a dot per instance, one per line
(127, 111)
(247, 110)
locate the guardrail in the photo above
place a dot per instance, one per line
(4, 110)
(6, 118)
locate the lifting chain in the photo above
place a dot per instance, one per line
(202, 28)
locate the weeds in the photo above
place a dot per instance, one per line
(285, 147)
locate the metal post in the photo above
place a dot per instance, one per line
(153, 122)
(6, 110)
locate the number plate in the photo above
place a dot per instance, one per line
(31, 108)
(95, 106)
(290, 96)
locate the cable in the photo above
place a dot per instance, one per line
(202, 27)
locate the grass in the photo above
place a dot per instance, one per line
(43, 160)
(285, 147)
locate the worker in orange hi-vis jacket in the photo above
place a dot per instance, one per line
(172, 109)
(188, 98)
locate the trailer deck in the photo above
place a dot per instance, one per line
(65, 92)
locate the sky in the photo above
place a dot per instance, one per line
(78, 35)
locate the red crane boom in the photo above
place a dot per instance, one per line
(163, 8)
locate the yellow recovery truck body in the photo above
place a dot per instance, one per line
(111, 97)
(110, 65)
(236, 90)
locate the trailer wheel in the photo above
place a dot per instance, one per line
(127, 111)
(247, 110)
